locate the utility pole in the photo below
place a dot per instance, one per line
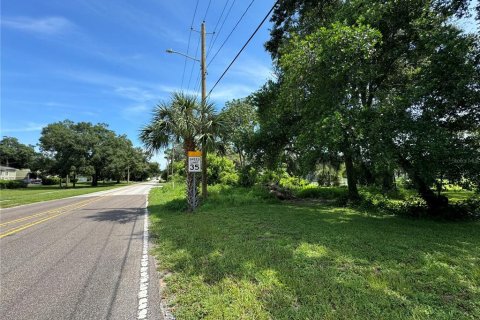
(173, 159)
(204, 101)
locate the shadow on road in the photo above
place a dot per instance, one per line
(124, 215)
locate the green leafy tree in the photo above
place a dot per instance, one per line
(16, 154)
(385, 84)
(239, 119)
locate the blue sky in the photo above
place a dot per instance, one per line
(105, 61)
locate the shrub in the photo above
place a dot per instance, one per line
(229, 178)
(50, 181)
(273, 176)
(12, 184)
(467, 209)
(326, 193)
(228, 196)
(248, 177)
(219, 167)
(290, 182)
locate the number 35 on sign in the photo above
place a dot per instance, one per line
(194, 161)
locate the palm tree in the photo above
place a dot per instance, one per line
(176, 120)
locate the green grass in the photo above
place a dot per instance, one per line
(37, 193)
(459, 195)
(245, 257)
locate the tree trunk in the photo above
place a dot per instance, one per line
(74, 181)
(94, 180)
(368, 178)
(388, 181)
(240, 157)
(351, 177)
(434, 203)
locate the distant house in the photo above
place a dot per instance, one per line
(23, 174)
(8, 173)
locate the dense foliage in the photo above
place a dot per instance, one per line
(70, 149)
(384, 87)
(15, 154)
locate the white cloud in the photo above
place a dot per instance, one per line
(227, 92)
(47, 25)
(135, 93)
(25, 128)
(141, 108)
(254, 72)
(136, 113)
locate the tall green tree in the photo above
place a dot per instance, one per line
(16, 154)
(384, 83)
(70, 148)
(239, 118)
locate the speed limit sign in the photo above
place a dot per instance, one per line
(194, 161)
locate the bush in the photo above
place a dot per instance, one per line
(227, 196)
(290, 182)
(467, 209)
(273, 176)
(326, 193)
(221, 167)
(50, 181)
(248, 177)
(12, 184)
(229, 178)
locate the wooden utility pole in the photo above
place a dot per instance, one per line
(204, 98)
(173, 159)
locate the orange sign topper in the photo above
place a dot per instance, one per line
(194, 153)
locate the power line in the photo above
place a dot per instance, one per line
(193, 64)
(244, 46)
(231, 32)
(208, 7)
(188, 46)
(215, 34)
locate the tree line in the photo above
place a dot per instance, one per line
(69, 149)
(377, 85)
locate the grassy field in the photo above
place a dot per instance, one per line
(244, 257)
(37, 193)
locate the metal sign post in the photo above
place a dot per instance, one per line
(194, 165)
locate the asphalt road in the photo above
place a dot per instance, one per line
(79, 258)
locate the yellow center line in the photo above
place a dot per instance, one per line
(12, 231)
(58, 213)
(41, 213)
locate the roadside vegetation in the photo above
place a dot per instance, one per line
(37, 193)
(346, 187)
(246, 255)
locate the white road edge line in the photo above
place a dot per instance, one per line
(143, 291)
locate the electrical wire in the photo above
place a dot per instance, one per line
(188, 46)
(193, 64)
(244, 46)
(206, 12)
(216, 25)
(231, 32)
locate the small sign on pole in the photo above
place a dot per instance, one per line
(194, 161)
(194, 166)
